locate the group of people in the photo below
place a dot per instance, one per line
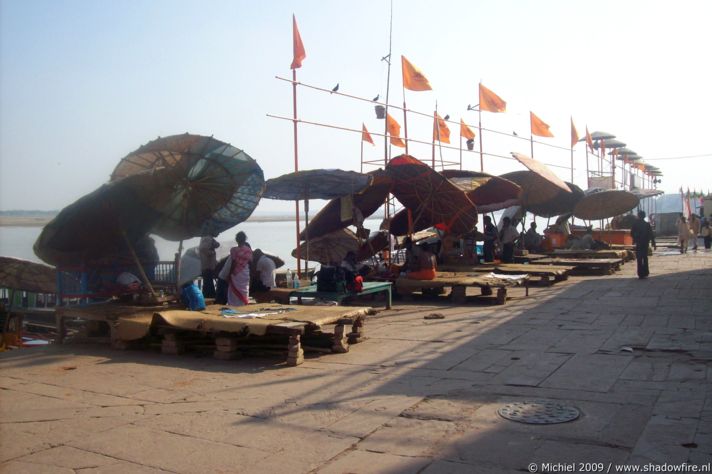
(236, 274)
(505, 239)
(687, 231)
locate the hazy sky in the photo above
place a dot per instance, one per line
(83, 83)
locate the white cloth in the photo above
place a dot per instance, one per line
(265, 269)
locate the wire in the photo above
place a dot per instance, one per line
(680, 157)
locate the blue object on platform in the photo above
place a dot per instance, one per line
(479, 249)
(192, 297)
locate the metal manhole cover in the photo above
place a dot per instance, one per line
(538, 412)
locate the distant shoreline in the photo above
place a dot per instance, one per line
(37, 221)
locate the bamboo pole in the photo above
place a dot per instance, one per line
(479, 126)
(296, 165)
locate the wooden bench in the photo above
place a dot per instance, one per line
(369, 287)
(458, 283)
(547, 274)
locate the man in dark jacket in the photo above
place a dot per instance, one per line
(642, 237)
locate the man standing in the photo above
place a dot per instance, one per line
(208, 261)
(490, 239)
(508, 237)
(695, 226)
(642, 236)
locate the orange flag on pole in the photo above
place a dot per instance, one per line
(539, 127)
(491, 102)
(365, 136)
(574, 134)
(394, 131)
(413, 79)
(299, 52)
(589, 139)
(465, 131)
(441, 132)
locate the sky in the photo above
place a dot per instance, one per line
(85, 82)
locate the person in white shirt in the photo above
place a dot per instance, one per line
(508, 236)
(264, 278)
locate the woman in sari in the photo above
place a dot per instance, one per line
(239, 281)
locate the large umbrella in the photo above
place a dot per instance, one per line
(535, 189)
(398, 224)
(315, 184)
(205, 186)
(430, 196)
(562, 203)
(331, 217)
(608, 144)
(18, 274)
(376, 242)
(488, 192)
(604, 203)
(541, 169)
(101, 226)
(330, 248)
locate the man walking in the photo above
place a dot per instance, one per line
(642, 236)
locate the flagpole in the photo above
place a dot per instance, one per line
(572, 164)
(435, 127)
(479, 128)
(362, 152)
(296, 165)
(460, 146)
(531, 135)
(405, 121)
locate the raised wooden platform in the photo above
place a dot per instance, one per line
(458, 283)
(587, 266)
(225, 328)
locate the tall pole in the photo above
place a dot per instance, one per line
(531, 135)
(387, 210)
(405, 121)
(587, 172)
(572, 164)
(435, 127)
(296, 164)
(479, 129)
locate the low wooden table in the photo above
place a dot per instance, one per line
(369, 287)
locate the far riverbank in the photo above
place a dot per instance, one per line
(41, 221)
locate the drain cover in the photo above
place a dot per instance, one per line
(538, 412)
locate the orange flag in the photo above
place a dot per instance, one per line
(491, 102)
(589, 139)
(440, 130)
(574, 134)
(413, 79)
(365, 136)
(394, 131)
(539, 127)
(299, 53)
(465, 131)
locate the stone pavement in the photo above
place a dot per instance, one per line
(634, 356)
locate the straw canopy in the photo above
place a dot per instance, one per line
(430, 196)
(98, 226)
(203, 186)
(316, 184)
(330, 248)
(488, 192)
(561, 203)
(540, 169)
(338, 214)
(604, 203)
(18, 274)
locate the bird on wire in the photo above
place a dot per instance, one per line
(336, 88)
(447, 117)
(514, 133)
(378, 96)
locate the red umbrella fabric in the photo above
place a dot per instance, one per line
(367, 201)
(399, 223)
(431, 196)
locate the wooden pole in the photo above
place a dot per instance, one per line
(572, 164)
(405, 122)
(435, 127)
(479, 127)
(144, 277)
(296, 165)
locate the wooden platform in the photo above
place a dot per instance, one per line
(580, 254)
(458, 283)
(369, 288)
(586, 266)
(225, 328)
(547, 274)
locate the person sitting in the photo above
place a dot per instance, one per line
(532, 239)
(584, 243)
(263, 278)
(423, 265)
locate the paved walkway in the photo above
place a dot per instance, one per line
(419, 395)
